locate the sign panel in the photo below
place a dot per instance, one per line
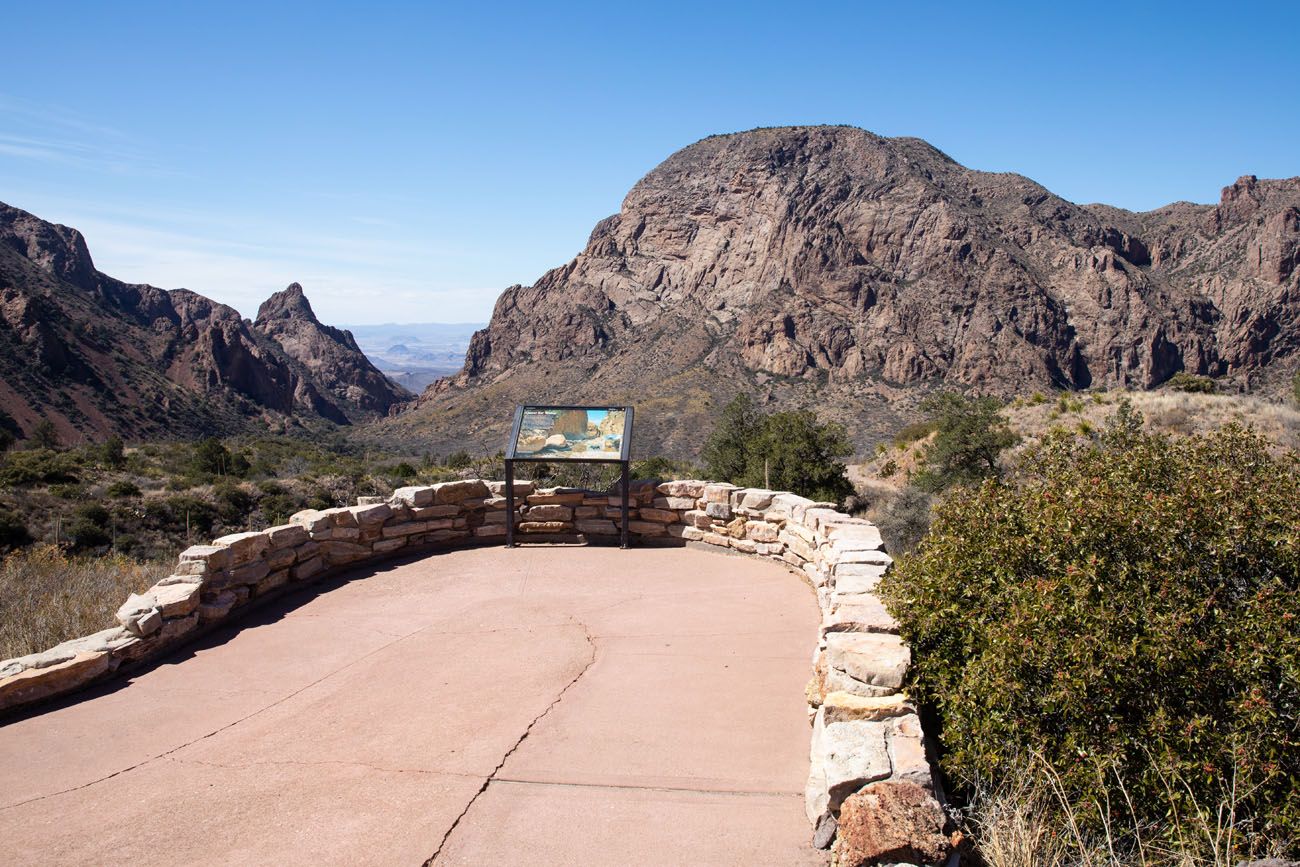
(571, 433)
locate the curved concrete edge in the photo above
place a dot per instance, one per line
(864, 729)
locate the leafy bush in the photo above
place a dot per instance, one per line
(1125, 608)
(969, 437)
(789, 451)
(38, 466)
(123, 488)
(44, 435)
(917, 430)
(1190, 382)
(459, 460)
(727, 451)
(112, 453)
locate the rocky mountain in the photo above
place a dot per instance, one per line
(328, 359)
(97, 356)
(832, 268)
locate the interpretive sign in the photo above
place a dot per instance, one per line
(586, 434)
(571, 433)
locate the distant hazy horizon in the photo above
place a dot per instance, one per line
(410, 162)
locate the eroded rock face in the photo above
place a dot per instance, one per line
(830, 261)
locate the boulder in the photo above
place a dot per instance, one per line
(659, 516)
(288, 535)
(244, 547)
(890, 822)
(545, 527)
(761, 531)
(175, 600)
(755, 499)
(550, 512)
(373, 514)
(865, 614)
(218, 607)
(678, 503)
(413, 495)
(878, 659)
(843, 757)
(597, 527)
(34, 684)
(312, 521)
(425, 513)
(691, 488)
(306, 568)
(646, 528)
(139, 615)
(718, 493)
(521, 488)
(446, 493)
(718, 511)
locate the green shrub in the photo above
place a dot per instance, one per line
(402, 471)
(790, 451)
(459, 460)
(1190, 382)
(969, 436)
(44, 436)
(917, 430)
(38, 466)
(1124, 608)
(726, 452)
(123, 488)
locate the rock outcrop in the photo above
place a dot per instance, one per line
(832, 267)
(330, 358)
(97, 356)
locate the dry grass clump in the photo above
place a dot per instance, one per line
(1027, 820)
(1165, 411)
(47, 596)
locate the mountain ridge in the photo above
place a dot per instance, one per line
(97, 356)
(834, 268)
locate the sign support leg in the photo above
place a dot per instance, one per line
(510, 504)
(624, 485)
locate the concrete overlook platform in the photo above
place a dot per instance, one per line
(543, 705)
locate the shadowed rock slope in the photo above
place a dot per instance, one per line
(97, 356)
(832, 268)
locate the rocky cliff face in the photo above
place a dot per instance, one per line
(330, 357)
(98, 356)
(830, 267)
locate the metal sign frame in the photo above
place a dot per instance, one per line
(623, 460)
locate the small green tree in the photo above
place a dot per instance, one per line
(44, 435)
(726, 452)
(211, 458)
(1192, 383)
(112, 452)
(969, 436)
(795, 452)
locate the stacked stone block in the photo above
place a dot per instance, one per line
(865, 731)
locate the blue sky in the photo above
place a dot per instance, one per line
(406, 162)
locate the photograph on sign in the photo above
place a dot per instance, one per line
(564, 433)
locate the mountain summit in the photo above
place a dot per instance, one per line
(834, 268)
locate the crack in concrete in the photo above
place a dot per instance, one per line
(313, 764)
(487, 781)
(747, 793)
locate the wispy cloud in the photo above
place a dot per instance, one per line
(49, 134)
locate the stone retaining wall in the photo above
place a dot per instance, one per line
(867, 741)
